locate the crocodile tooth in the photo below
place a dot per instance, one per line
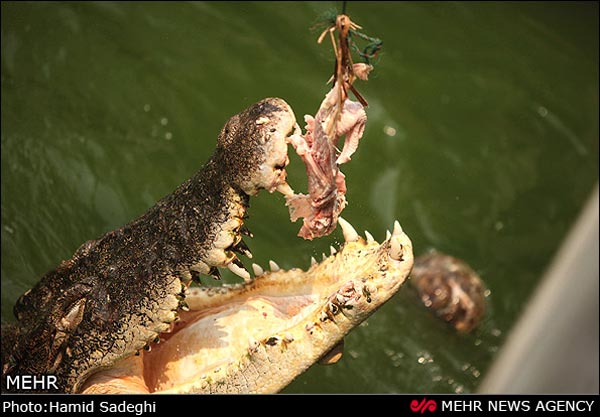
(348, 231)
(367, 290)
(334, 355)
(258, 271)
(313, 261)
(323, 315)
(274, 267)
(239, 271)
(324, 256)
(213, 272)
(370, 289)
(253, 345)
(369, 236)
(184, 276)
(332, 250)
(200, 267)
(242, 248)
(396, 250)
(333, 308)
(388, 235)
(244, 230)
(196, 276)
(285, 189)
(170, 328)
(397, 229)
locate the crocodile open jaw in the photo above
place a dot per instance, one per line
(120, 315)
(258, 336)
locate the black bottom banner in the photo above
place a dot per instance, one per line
(404, 404)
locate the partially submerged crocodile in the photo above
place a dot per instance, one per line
(92, 321)
(450, 288)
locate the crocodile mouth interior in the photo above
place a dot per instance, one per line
(214, 337)
(200, 342)
(225, 323)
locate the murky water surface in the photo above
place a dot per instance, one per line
(482, 140)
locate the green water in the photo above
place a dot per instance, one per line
(482, 140)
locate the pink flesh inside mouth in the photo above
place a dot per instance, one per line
(200, 342)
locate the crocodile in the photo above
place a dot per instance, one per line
(123, 315)
(450, 288)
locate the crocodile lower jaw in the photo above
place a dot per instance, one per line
(258, 336)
